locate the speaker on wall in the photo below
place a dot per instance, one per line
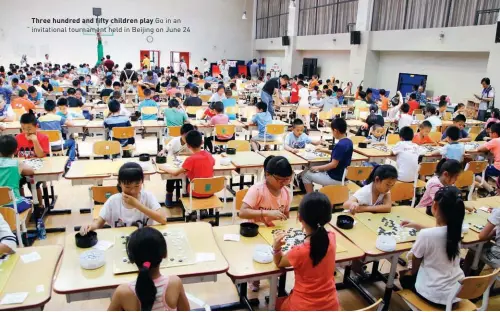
(285, 41)
(309, 67)
(497, 37)
(355, 37)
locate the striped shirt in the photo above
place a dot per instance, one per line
(117, 121)
(6, 236)
(52, 121)
(161, 284)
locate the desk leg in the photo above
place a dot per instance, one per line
(477, 256)
(273, 293)
(390, 283)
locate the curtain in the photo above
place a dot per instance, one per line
(272, 18)
(317, 17)
(346, 14)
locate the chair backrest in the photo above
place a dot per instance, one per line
(106, 148)
(238, 198)
(325, 115)
(6, 195)
(225, 130)
(140, 93)
(427, 168)
(123, 132)
(57, 89)
(466, 178)
(402, 191)
(447, 116)
(18, 112)
(232, 110)
(205, 98)
(193, 110)
(303, 111)
(364, 109)
(336, 193)
(54, 135)
(174, 131)
(373, 307)
(393, 138)
(419, 117)
(239, 145)
(358, 138)
(414, 128)
(149, 110)
(477, 166)
(275, 129)
(208, 186)
(475, 286)
(336, 111)
(418, 112)
(475, 129)
(435, 136)
(10, 216)
(101, 194)
(355, 173)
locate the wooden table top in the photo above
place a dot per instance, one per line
(217, 167)
(79, 123)
(52, 165)
(27, 277)
(292, 158)
(372, 152)
(101, 168)
(95, 124)
(247, 160)
(354, 123)
(11, 125)
(200, 237)
(148, 123)
(358, 157)
(365, 238)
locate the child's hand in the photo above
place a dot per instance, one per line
(279, 240)
(354, 208)
(85, 229)
(295, 151)
(314, 169)
(130, 200)
(32, 137)
(162, 153)
(276, 215)
(409, 224)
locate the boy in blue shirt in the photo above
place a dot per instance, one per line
(459, 122)
(331, 173)
(261, 119)
(148, 102)
(297, 139)
(34, 95)
(117, 120)
(454, 149)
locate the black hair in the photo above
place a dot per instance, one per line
(340, 124)
(406, 133)
(486, 80)
(453, 133)
(114, 106)
(430, 109)
(278, 165)
(495, 113)
(232, 85)
(130, 172)
(128, 65)
(425, 124)
(413, 96)
(300, 83)
(146, 248)
(207, 86)
(459, 105)
(382, 172)
(316, 88)
(262, 106)
(301, 76)
(117, 94)
(405, 108)
(220, 87)
(285, 77)
(459, 118)
(382, 92)
(117, 84)
(452, 166)
(496, 128)
(173, 103)
(8, 145)
(147, 92)
(108, 82)
(373, 108)
(452, 210)
(31, 89)
(195, 89)
(219, 107)
(297, 122)
(28, 118)
(62, 102)
(369, 91)
(44, 80)
(71, 91)
(186, 128)
(15, 80)
(49, 105)
(194, 139)
(22, 92)
(315, 210)
(76, 82)
(329, 92)
(362, 94)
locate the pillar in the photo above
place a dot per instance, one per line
(292, 62)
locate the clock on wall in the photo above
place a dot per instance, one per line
(149, 39)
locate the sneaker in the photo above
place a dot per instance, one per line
(255, 286)
(169, 201)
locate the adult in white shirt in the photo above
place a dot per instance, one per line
(206, 66)
(183, 66)
(487, 96)
(407, 154)
(7, 239)
(304, 102)
(224, 69)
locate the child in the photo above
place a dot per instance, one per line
(316, 101)
(6, 112)
(207, 89)
(30, 142)
(443, 105)
(413, 103)
(34, 95)
(407, 154)
(148, 102)
(436, 252)
(384, 102)
(454, 149)
(219, 95)
(261, 119)
(459, 110)
(107, 89)
(493, 146)
(360, 103)
(459, 122)
(486, 132)
(304, 102)
(234, 89)
(115, 119)
(174, 114)
(51, 121)
(329, 102)
(62, 110)
(375, 196)
(377, 135)
(230, 105)
(313, 261)
(422, 137)
(297, 139)
(193, 99)
(495, 117)
(432, 117)
(447, 172)
(151, 291)
(219, 119)
(199, 165)
(22, 101)
(405, 119)
(269, 200)
(332, 173)
(209, 112)
(11, 170)
(132, 206)
(8, 241)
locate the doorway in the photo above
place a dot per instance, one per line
(153, 55)
(406, 82)
(175, 59)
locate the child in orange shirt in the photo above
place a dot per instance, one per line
(313, 261)
(384, 103)
(22, 101)
(422, 137)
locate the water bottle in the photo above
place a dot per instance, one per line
(40, 230)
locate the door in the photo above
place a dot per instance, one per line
(153, 55)
(175, 59)
(407, 82)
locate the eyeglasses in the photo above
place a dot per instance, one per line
(281, 180)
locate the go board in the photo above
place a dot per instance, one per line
(388, 224)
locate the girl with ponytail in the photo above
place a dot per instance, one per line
(313, 261)
(436, 252)
(151, 291)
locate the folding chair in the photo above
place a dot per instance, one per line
(99, 195)
(425, 169)
(238, 201)
(226, 130)
(323, 116)
(466, 180)
(106, 148)
(205, 186)
(174, 131)
(149, 110)
(418, 112)
(205, 98)
(392, 139)
(403, 191)
(54, 136)
(468, 288)
(435, 136)
(193, 110)
(15, 220)
(337, 194)
(239, 145)
(356, 174)
(447, 116)
(478, 167)
(122, 133)
(275, 130)
(414, 128)
(419, 117)
(306, 112)
(336, 111)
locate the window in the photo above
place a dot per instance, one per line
(272, 18)
(415, 14)
(317, 17)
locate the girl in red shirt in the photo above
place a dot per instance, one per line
(313, 261)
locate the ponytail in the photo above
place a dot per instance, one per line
(452, 210)
(319, 244)
(145, 288)
(452, 166)
(382, 172)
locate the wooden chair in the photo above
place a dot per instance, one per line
(106, 148)
(99, 195)
(466, 180)
(303, 111)
(418, 111)
(239, 145)
(403, 191)
(419, 117)
(54, 136)
(393, 139)
(57, 89)
(425, 169)
(232, 110)
(238, 201)
(205, 98)
(124, 133)
(356, 139)
(174, 131)
(149, 110)
(478, 167)
(435, 136)
(468, 288)
(337, 194)
(205, 186)
(356, 174)
(414, 128)
(377, 306)
(140, 93)
(475, 129)
(276, 130)
(18, 112)
(193, 110)
(227, 130)
(324, 116)
(447, 116)
(15, 220)
(336, 111)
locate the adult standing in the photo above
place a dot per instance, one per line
(128, 74)
(487, 96)
(146, 63)
(421, 96)
(183, 66)
(47, 61)
(206, 66)
(271, 87)
(224, 69)
(108, 63)
(254, 70)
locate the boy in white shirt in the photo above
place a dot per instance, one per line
(407, 154)
(405, 119)
(304, 102)
(316, 101)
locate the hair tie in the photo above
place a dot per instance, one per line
(319, 225)
(147, 264)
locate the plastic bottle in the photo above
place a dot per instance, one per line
(40, 229)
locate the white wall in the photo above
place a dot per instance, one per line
(457, 74)
(216, 30)
(273, 57)
(330, 63)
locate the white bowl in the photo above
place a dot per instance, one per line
(263, 254)
(225, 161)
(386, 243)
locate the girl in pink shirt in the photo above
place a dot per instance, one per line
(495, 117)
(219, 119)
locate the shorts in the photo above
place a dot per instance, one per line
(491, 171)
(261, 139)
(23, 205)
(491, 253)
(322, 178)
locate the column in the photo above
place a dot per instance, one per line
(492, 69)
(292, 62)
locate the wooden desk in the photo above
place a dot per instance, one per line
(373, 154)
(11, 127)
(52, 170)
(79, 284)
(354, 123)
(358, 159)
(251, 127)
(96, 126)
(248, 163)
(27, 277)
(154, 126)
(296, 161)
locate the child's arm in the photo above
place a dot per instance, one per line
(291, 149)
(385, 207)
(96, 224)
(483, 148)
(415, 264)
(120, 295)
(487, 232)
(36, 145)
(467, 139)
(25, 170)
(329, 166)
(182, 301)
(246, 212)
(172, 171)
(157, 215)
(279, 258)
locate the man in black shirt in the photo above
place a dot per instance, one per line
(193, 100)
(72, 100)
(46, 85)
(128, 74)
(273, 85)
